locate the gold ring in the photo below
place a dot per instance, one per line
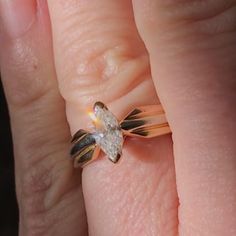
(109, 134)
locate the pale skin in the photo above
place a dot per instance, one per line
(56, 61)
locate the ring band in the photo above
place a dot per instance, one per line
(109, 134)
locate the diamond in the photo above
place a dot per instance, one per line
(108, 133)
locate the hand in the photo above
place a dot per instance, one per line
(56, 63)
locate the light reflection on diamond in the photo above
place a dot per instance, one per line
(108, 133)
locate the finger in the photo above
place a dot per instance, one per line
(108, 62)
(48, 191)
(192, 52)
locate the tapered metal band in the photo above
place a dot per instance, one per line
(145, 121)
(109, 133)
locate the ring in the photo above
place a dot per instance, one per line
(109, 134)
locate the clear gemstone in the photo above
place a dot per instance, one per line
(108, 133)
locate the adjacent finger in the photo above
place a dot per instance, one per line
(48, 190)
(99, 56)
(192, 51)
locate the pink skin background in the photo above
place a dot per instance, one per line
(58, 57)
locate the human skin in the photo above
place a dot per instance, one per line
(56, 61)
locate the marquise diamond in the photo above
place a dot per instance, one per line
(108, 133)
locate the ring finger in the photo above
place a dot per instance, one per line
(99, 56)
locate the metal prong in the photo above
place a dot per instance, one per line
(99, 104)
(116, 159)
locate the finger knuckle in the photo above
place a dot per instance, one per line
(104, 72)
(35, 182)
(37, 179)
(107, 61)
(34, 185)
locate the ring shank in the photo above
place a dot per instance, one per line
(146, 121)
